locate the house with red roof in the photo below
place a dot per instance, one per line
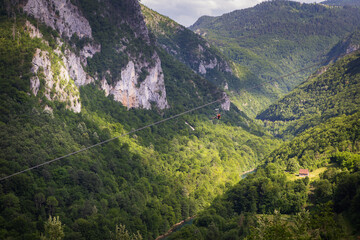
(303, 172)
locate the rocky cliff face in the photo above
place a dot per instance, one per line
(209, 64)
(189, 48)
(57, 83)
(225, 104)
(69, 21)
(57, 73)
(135, 94)
(61, 15)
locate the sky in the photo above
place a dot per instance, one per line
(186, 12)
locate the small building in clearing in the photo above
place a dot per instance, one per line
(303, 172)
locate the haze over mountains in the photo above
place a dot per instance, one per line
(74, 74)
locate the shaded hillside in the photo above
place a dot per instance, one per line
(333, 92)
(275, 38)
(346, 46)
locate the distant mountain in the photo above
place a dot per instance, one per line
(333, 91)
(275, 38)
(342, 3)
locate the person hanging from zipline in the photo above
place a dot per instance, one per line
(218, 116)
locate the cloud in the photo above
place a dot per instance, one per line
(186, 12)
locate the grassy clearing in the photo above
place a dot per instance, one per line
(314, 175)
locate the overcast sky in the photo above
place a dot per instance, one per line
(186, 12)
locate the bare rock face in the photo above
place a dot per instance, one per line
(32, 30)
(152, 89)
(74, 66)
(134, 94)
(58, 86)
(352, 48)
(225, 104)
(206, 64)
(34, 83)
(210, 65)
(41, 62)
(66, 18)
(61, 15)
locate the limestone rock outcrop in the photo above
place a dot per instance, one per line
(225, 104)
(135, 94)
(132, 89)
(57, 84)
(61, 15)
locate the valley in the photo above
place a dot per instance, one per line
(135, 96)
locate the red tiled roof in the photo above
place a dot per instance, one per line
(304, 171)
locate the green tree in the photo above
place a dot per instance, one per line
(271, 228)
(53, 229)
(323, 191)
(52, 203)
(39, 199)
(293, 165)
(121, 233)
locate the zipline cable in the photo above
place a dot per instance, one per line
(111, 139)
(150, 125)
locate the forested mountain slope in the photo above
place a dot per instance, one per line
(61, 74)
(275, 38)
(332, 92)
(274, 203)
